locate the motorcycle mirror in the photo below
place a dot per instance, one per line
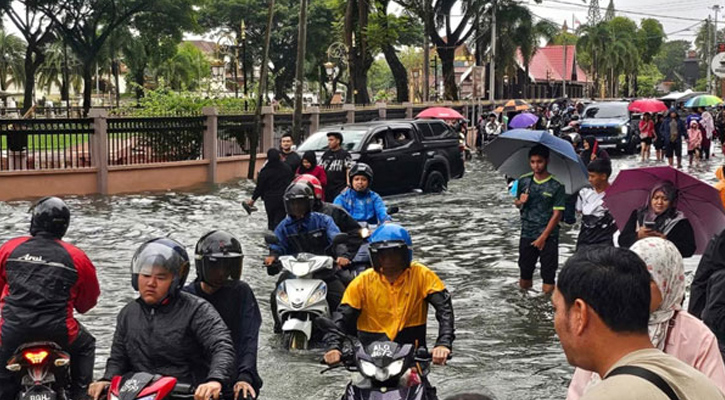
(270, 238)
(340, 238)
(393, 210)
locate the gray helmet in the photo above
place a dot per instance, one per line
(362, 169)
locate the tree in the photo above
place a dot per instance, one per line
(648, 77)
(12, 56)
(669, 60)
(650, 37)
(187, 69)
(52, 72)
(563, 38)
(380, 78)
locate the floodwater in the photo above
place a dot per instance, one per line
(506, 345)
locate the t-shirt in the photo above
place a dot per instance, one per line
(544, 197)
(336, 164)
(598, 226)
(687, 382)
(292, 159)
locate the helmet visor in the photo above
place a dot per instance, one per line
(298, 207)
(218, 270)
(389, 256)
(153, 257)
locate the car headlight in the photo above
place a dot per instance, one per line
(318, 294)
(368, 369)
(395, 368)
(624, 129)
(149, 397)
(281, 295)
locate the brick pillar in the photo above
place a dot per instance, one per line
(314, 120)
(350, 108)
(408, 110)
(268, 130)
(210, 141)
(382, 111)
(99, 147)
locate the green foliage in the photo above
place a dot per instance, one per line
(650, 38)
(648, 77)
(12, 60)
(563, 38)
(701, 85)
(670, 58)
(380, 78)
(187, 70)
(164, 101)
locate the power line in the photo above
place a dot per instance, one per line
(627, 11)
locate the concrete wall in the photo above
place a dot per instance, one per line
(16, 185)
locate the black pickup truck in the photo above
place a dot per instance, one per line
(404, 155)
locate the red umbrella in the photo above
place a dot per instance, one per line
(440, 113)
(647, 105)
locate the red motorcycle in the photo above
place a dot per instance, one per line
(43, 371)
(145, 386)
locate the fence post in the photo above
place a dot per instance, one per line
(382, 111)
(268, 130)
(210, 141)
(99, 146)
(314, 120)
(408, 110)
(350, 108)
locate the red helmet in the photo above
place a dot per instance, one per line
(314, 182)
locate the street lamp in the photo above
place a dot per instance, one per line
(416, 74)
(330, 69)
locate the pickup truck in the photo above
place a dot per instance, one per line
(611, 124)
(404, 155)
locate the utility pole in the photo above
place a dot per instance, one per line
(426, 53)
(492, 77)
(715, 8)
(300, 73)
(262, 93)
(708, 56)
(566, 65)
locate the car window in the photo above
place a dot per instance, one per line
(441, 130)
(606, 110)
(399, 138)
(352, 140)
(425, 130)
(378, 138)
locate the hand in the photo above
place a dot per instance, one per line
(250, 202)
(332, 357)
(269, 260)
(209, 390)
(96, 388)
(343, 262)
(645, 233)
(523, 198)
(440, 355)
(539, 243)
(246, 389)
(593, 157)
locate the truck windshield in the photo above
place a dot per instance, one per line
(606, 110)
(351, 140)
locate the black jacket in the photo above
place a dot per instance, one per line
(292, 159)
(184, 338)
(239, 309)
(681, 235)
(346, 223)
(272, 181)
(707, 296)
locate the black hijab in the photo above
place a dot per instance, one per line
(311, 157)
(273, 158)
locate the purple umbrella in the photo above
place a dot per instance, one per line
(699, 201)
(523, 120)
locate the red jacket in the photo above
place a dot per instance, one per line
(319, 173)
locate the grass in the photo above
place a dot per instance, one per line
(50, 141)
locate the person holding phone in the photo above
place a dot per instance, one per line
(660, 218)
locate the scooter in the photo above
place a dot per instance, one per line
(145, 386)
(44, 370)
(387, 370)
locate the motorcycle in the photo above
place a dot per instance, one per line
(387, 370)
(45, 371)
(361, 261)
(145, 386)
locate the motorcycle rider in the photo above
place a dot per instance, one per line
(166, 331)
(492, 128)
(362, 203)
(218, 259)
(43, 279)
(305, 231)
(390, 301)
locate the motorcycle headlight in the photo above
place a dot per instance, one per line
(281, 295)
(624, 129)
(395, 368)
(368, 369)
(319, 294)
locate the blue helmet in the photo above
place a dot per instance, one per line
(390, 236)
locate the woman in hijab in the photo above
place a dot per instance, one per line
(592, 151)
(671, 329)
(309, 166)
(660, 218)
(272, 181)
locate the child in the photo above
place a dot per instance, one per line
(598, 225)
(694, 141)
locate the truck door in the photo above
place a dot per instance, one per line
(406, 156)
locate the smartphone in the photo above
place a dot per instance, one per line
(650, 224)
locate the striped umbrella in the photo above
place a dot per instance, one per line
(704, 100)
(513, 105)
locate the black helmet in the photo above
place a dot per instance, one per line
(218, 258)
(161, 252)
(362, 169)
(299, 199)
(51, 215)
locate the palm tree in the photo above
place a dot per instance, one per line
(594, 40)
(52, 71)
(12, 60)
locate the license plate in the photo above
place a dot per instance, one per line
(39, 393)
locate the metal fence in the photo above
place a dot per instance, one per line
(155, 140)
(234, 135)
(333, 118)
(370, 114)
(395, 113)
(283, 125)
(45, 144)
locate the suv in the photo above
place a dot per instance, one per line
(611, 124)
(404, 155)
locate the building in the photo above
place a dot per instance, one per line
(548, 69)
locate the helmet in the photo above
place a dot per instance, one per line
(299, 199)
(51, 215)
(362, 169)
(218, 258)
(161, 252)
(312, 180)
(390, 237)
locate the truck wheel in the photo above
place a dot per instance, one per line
(435, 182)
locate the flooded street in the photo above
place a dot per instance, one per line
(506, 345)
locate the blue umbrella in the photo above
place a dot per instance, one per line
(523, 120)
(509, 154)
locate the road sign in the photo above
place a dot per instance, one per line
(718, 65)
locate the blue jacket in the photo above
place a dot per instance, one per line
(312, 234)
(364, 207)
(665, 130)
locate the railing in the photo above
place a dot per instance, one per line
(45, 144)
(234, 134)
(396, 113)
(155, 140)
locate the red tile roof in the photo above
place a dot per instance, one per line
(548, 62)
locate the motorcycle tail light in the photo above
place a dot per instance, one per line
(35, 357)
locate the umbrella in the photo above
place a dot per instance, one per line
(440, 113)
(513, 105)
(704, 100)
(523, 120)
(509, 154)
(699, 201)
(647, 105)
